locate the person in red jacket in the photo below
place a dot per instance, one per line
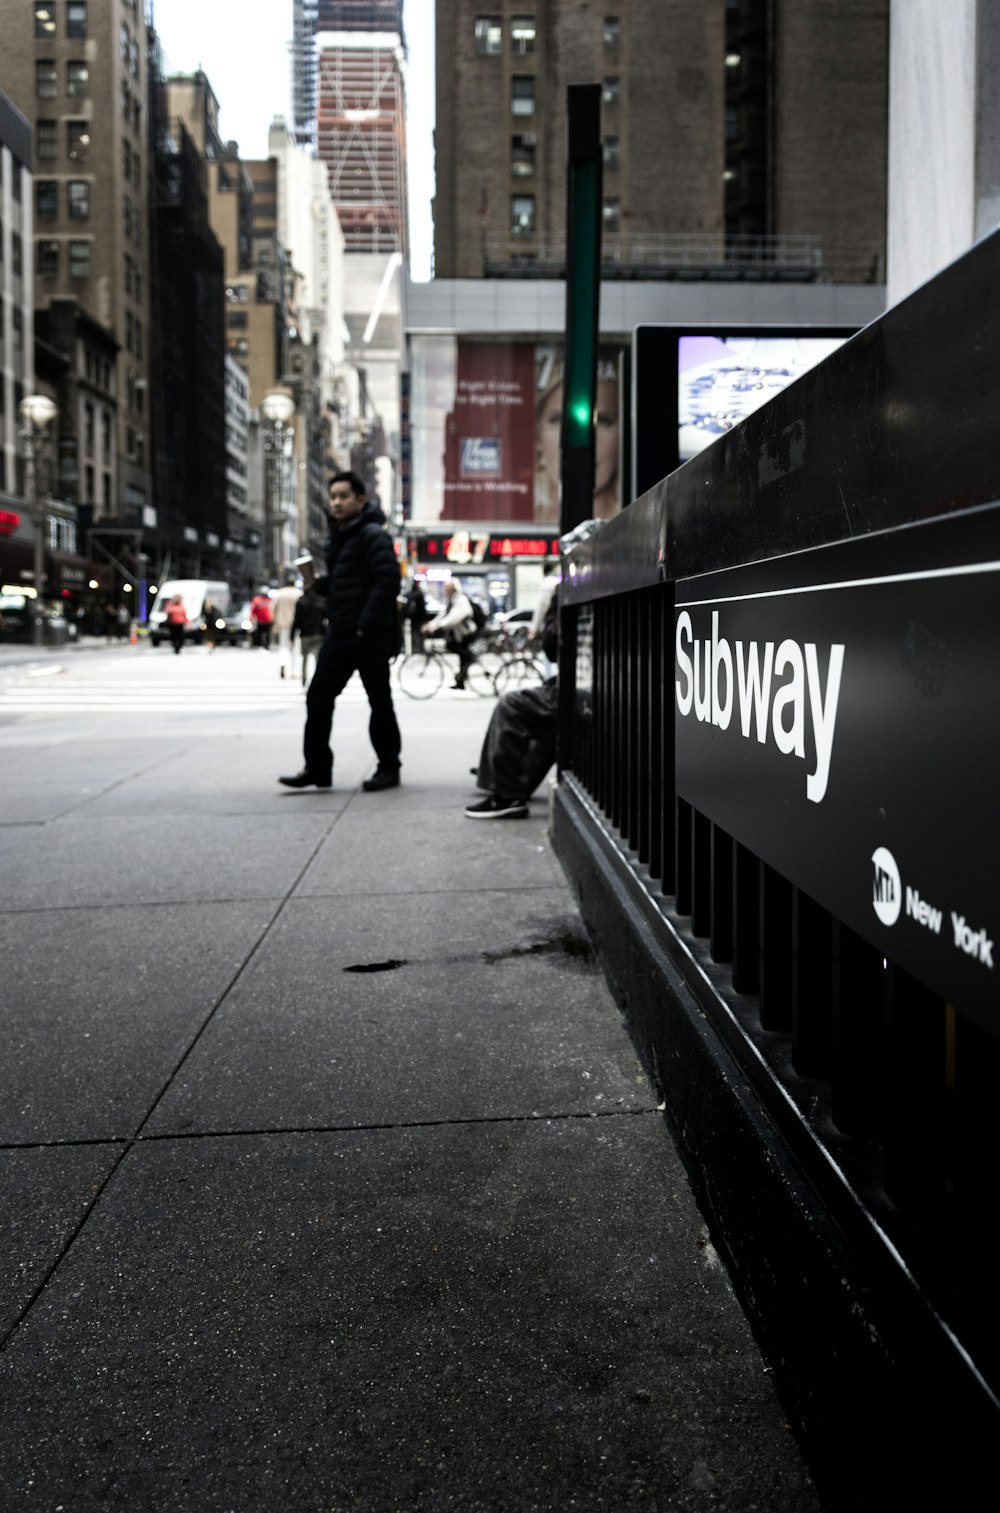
(262, 615)
(177, 621)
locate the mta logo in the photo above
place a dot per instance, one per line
(887, 889)
(481, 457)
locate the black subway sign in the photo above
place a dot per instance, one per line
(837, 712)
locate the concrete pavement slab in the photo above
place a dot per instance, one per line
(44, 1194)
(161, 857)
(446, 851)
(99, 1006)
(492, 1318)
(227, 775)
(408, 1010)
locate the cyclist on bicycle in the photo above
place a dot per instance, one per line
(459, 624)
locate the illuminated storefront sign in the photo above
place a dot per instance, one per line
(9, 522)
(474, 548)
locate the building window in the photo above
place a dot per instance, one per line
(46, 199)
(78, 141)
(522, 155)
(522, 35)
(611, 214)
(45, 19)
(611, 152)
(238, 320)
(79, 259)
(522, 215)
(78, 197)
(611, 90)
(16, 256)
(88, 427)
(612, 31)
(78, 79)
(46, 80)
(45, 140)
(48, 258)
(76, 18)
(522, 95)
(489, 35)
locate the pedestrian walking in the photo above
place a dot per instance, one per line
(415, 613)
(177, 622)
(361, 585)
(210, 614)
(283, 610)
(310, 627)
(262, 615)
(123, 622)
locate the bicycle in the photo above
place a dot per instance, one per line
(519, 664)
(422, 673)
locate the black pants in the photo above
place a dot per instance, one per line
(337, 661)
(176, 636)
(520, 743)
(463, 650)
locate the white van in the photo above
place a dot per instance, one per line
(194, 592)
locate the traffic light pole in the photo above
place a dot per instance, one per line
(583, 292)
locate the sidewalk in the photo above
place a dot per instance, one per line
(331, 1178)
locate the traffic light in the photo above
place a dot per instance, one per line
(583, 292)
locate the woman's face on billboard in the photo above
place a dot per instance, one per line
(605, 434)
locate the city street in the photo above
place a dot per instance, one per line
(330, 1178)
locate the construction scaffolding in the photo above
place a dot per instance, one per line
(360, 136)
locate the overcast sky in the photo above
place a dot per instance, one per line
(244, 51)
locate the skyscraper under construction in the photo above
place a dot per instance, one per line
(348, 101)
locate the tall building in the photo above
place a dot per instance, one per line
(78, 72)
(310, 16)
(16, 307)
(733, 131)
(361, 135)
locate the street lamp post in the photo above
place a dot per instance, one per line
(38, 411)
(277, 408)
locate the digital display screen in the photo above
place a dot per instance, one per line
(690, 384)
(722, 379)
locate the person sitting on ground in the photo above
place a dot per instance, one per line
(459, 622)
(520, 742)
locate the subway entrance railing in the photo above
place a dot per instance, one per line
(780, 732)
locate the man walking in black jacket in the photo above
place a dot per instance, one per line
(361, 585)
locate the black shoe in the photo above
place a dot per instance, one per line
(459, 686)
(306, 779)
(380, 780)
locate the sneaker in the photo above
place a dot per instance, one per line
(497, 808)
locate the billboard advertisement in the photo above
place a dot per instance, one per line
(485, 431)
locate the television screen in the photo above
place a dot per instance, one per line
(691, 384)
(722, 379)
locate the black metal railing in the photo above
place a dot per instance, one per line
(871, 1052)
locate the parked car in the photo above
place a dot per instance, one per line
(237, 627)
(516, 624)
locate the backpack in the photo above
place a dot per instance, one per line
(479, 615)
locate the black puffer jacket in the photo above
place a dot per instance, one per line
(362, 579)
